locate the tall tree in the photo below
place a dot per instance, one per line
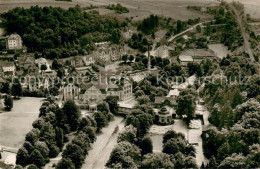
(72, 114)
(8, 101)
(17, 89)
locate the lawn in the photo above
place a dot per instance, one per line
(15, 124)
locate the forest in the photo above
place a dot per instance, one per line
(57, 33)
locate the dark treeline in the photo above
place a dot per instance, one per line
(57, 32)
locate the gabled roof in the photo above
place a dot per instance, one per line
(14, 36)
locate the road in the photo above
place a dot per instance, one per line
(247, 45)
(103, 146)
(187, 30)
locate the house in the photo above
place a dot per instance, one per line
(105, 65)
(14, 41)
(7, 68)
(185, 59)
(70, 91)
(89, 60)
(25, 62)
(186, 37)
(95, 92)
(92, 93)
(43, 61)
(77, 61)
(173, 93)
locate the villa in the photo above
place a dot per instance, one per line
(14, 41)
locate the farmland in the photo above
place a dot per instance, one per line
(139, 9)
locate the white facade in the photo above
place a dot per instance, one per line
(14, 41)
(70, 91)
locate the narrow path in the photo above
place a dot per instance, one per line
(187, 30)
(103, 146)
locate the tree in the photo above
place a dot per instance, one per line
(72, 114)
(43, 67)
(198, 28)
(54, 91)
(75, 153)
(169, 134)
(59, 137)
(143, 99)
(32, 166)
(129, 135)
(146, 146)
(125, 154)
(186, 104)
(131, 58)
(112, 102)
(32, 136)
(37, 158)
(101, 120)
(234, 161)
(125, 58)
(159, 160)
(55, 64)
(5, 88)
(17, 89)
(179, 26)
(90, 132)
(140, 120)
(18, 167)
(65, 163)
(43, 149)
(8, 101)
(22, 157)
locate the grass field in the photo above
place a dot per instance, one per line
(139, 9)
(15, 124)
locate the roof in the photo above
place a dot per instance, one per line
(6, 64)
(159, 99)
(185, 37)
(174, 92)
(14, 36)
(186, 58)
(198, 52)
(125, 105)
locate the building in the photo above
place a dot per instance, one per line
(26, 62)
(165, 115)
(70, 91)
(42, 61)
(7, 68)
(173, 93)
(195, 56)
(14, 41)
(89, 60)
(185, 59)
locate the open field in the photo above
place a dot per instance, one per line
(15, 124)
(139, 9)
(251, 7)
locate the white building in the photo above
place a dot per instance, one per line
(185, 59)
(42, 61)
(70, 91)
(14, 41)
